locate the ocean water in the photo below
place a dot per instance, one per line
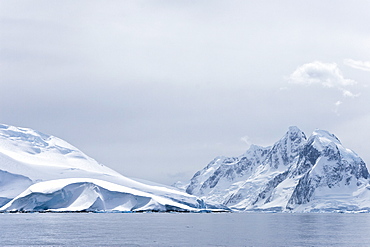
(184, 229)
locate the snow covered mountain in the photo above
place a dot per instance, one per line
(39, 172)
(295, 174)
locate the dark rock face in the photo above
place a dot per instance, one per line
(304, 190)
(336, 167)
(307, 159)
(265, 194)
(225, 168)
(285, 150)
(294, 166)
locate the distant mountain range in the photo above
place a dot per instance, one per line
(41, 173)
(296, 174)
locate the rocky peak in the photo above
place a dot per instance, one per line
(287, 148)
(296, 173)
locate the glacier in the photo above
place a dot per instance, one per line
(296, 174)
(39, 173)
(43, 173)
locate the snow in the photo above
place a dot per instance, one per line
(39, 172)
(34, 148)
(296, 174)
(12, 184)
(39, 166)
(80, 194)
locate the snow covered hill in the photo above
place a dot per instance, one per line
(295, 174)
(39, 172)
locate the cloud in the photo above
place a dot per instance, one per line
(337, 105)
(362, 65)
(326, 74)
(283, 89)
(348, 94)
(246, 140)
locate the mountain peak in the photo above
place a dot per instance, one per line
(294, 132)
(294, 129)
(284, 151)
(296, 173)
(323, 134)
(322, 139)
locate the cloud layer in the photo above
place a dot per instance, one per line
(158, 88)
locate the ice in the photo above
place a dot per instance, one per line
(77, 194)
(42, 172)
(39, 172)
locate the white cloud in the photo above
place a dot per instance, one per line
(336, 110)
(246, 140)
(283, 89)
(326, 74)
(362, 65)
(347, 93)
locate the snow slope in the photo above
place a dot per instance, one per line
(41, 172)
(84, 194)
(295, 174)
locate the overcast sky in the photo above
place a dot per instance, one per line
(157, 89)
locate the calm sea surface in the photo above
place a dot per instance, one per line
(171, 229)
